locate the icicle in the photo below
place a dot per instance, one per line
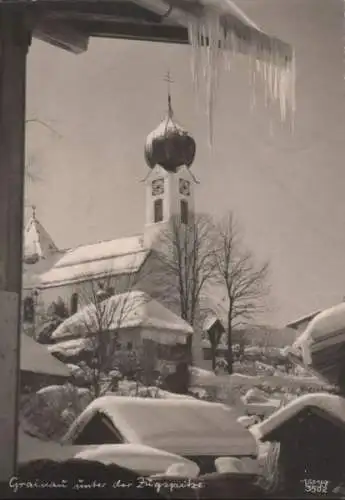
(215, 40)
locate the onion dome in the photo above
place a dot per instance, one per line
(169, 145)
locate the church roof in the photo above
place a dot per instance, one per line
(38, 244)
(118, 256)
(127, 310)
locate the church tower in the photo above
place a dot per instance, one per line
(169, 152)
(38, 244)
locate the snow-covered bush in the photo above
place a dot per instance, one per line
(51, 410)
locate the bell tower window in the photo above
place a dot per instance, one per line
(158, 210)
(184, 211)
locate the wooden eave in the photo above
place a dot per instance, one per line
(69, 24)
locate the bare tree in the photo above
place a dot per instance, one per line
(106, 304)
(184, 265)
(244, 282)
(31, 175)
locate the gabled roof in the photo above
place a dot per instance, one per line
(329, 404)
(36, 358)
(210, 321)
(127, 310)
(38, 244)
(183, 426)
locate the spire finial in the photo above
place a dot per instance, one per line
(33, 207)
(169, 82)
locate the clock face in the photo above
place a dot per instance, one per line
(157, 187)
(184, 187)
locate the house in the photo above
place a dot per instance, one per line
(140, 324)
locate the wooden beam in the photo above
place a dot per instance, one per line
(136, 31)
(62, 35)
(14, 42)
(115, 10)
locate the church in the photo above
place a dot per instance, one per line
(52, 274)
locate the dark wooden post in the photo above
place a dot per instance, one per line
(14, 43)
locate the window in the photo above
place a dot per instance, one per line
(29, 309)
(74, 303)
(158, 210)
(129, 346)
(184, 211)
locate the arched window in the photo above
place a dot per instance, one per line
(158, 210)
(74, 303)
(29, 310)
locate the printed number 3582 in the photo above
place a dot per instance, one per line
(315, 486)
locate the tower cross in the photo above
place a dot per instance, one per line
(169, 81)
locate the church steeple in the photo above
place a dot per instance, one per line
(169, 152)
(38, 244)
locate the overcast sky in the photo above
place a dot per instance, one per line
(286, 190)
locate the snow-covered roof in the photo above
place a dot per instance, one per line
(324, 328)
(113, 257)
(126, 310)
(69, 348)
(143, 459)
(183, 426)
(102, 250)
(36, 358)
(330, 404)
(140, 458)
(303, 319)
(325, 335)
(210, 321)
(38, 244)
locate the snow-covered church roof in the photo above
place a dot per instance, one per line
(46, 266)
(118, 256)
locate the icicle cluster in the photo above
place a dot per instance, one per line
(215, 38)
